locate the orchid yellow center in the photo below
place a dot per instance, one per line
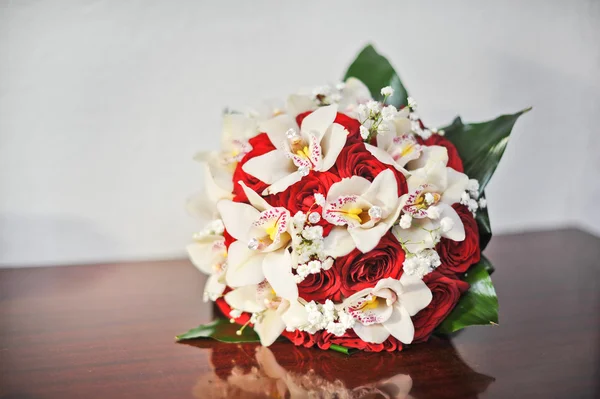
(272, 231)
(407, 150)
(303, 153)
(370, 303)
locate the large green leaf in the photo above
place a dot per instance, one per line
(375, 71)
(479, 305)
(481, 145)
(221, 330)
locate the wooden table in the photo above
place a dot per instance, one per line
(107, 331)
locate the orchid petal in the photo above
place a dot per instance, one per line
(415, 295)
(269, 327)
(295, 316)
(332, 144)
(375, 333)
(237, 127)
(217, 181)
(348, 186)
(244, 299)
(457, 232)
(255, 200)
(297, 104)
(237, 218)
(269, 167)
(367, 239)
(283, 183)
(430, 153)
(383, 190)
(383, 156)
(244, 266)
(277, 127)
(319, 121)
(201, 253)
(400, 325)
(201, 207)
(338, 243)
(456, 185)
(417, 237)
(213, 287)
(277, 267)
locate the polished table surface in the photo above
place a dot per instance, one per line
(107, 331)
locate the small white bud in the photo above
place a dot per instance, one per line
(446, 224)
(411, 102)
(319, 199)
(387, 91)
(406, 221)
(364, 132)
(482, 203)
(433, 212)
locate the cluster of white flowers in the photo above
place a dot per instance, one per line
(326, 317)
(214, 227)
(325, 95)
(308, 246)
(421, 263)
(470, 198)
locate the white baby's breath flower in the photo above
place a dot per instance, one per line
(319, 199)
(389, 112)
(446, 224)
(433, 212)
(411, 102)
(473, 187)
(387, 91)
(364, 132)
(482, 203)
(406, 221)
(373, 106)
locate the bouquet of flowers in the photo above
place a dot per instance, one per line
(341, 220)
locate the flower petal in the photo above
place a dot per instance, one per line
(269, 327)
(213, 287)
(431, 153)
(201, 207)
(375, 333)
(244, 265)
(456, 185)
(283, 183)
(457, 233)
(295, 316)
(332, 144)
(417, 237)
(338, 242)
(354, 185)
(244, 299)
(277, 267)
(400, 325)
(298, 103)
(217, 181)
(383, 190)
(319, 121)
(201, 253)
(269, 167)
(237, 127)
(367, 239)
(237, 218)
(276, 128)
(384, 157)
(415, 295)
(255, 200)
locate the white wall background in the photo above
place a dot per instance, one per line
(103, 103)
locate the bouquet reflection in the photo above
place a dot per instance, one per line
(283, 371)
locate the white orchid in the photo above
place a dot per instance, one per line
(427, 208)
(274, 301)
(220, 165)
(386, 309)
(209, 255)
(258, 229)
(364, 211)
(353, 93)
(314, 146)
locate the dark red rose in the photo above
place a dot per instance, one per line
(454, 160)
(446, 292)
(324, 340)
(321, 286)
(356, 160)
(351, 125)
(359, 271)
(225, 309)
(260, 145)
(458, 256)
(301, 196)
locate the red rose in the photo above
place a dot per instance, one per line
(458, 256)
(446, 292)
(260, 145)
(351, 125)
(356, 160)
(454, 160)
(324, 340)
(301, 195)
(359, 271)
(321, 286)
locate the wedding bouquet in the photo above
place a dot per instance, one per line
(341, 220)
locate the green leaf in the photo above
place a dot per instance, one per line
(481, 145)
(483, 224)
(375, 71)
(478, 306)
(221, 330)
